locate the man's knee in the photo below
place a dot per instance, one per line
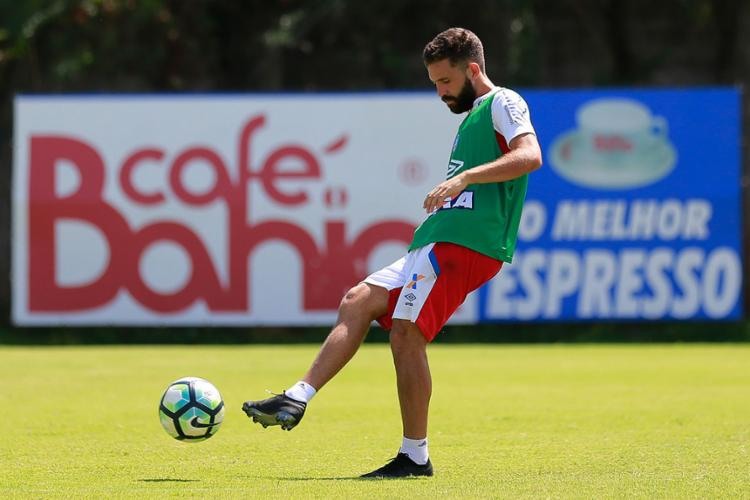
(406, 336)
(364, 299)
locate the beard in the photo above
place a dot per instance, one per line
(464, 101)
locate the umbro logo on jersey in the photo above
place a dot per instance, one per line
(453, 167)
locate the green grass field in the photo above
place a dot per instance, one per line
(506, 422)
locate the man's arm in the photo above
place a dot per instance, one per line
(524, 156)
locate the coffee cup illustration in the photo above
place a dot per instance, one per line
(618, 143)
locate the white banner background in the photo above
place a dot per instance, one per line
(378, 155)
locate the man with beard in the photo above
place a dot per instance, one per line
(469, 231)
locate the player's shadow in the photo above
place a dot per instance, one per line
(343, 478)
(168, 480)
(287, 478)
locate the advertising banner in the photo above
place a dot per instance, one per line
(214, 209)
(265, 209)
(636, 213)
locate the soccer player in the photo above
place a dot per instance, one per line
(469, 231)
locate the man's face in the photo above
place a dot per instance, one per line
(453, 85)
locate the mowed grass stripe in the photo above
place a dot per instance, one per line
(563, 421)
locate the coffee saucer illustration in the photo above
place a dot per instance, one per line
(618, 144)
(646, 166)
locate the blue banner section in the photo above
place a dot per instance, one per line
(636, 213)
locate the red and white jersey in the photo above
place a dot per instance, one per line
(510, 114)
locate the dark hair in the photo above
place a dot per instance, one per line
(458, 45)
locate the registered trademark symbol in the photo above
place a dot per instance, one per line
(412, 172)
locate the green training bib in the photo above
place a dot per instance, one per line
(483, 217)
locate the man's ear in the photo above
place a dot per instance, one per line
(473, 70)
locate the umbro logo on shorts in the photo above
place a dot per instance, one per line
(411, 298)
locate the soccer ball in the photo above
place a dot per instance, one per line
(191, 409)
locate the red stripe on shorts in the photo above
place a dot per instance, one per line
(462, 271)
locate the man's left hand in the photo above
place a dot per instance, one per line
(444, 191)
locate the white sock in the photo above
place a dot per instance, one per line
(301, 391)
(416, 449)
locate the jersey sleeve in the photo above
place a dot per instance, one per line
(510, 115)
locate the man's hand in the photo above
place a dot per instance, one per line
(445, 190)
(524, 156)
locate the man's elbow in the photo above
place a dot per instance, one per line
(535, 159)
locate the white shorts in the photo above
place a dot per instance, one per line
(415, 274)
(430, 283)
